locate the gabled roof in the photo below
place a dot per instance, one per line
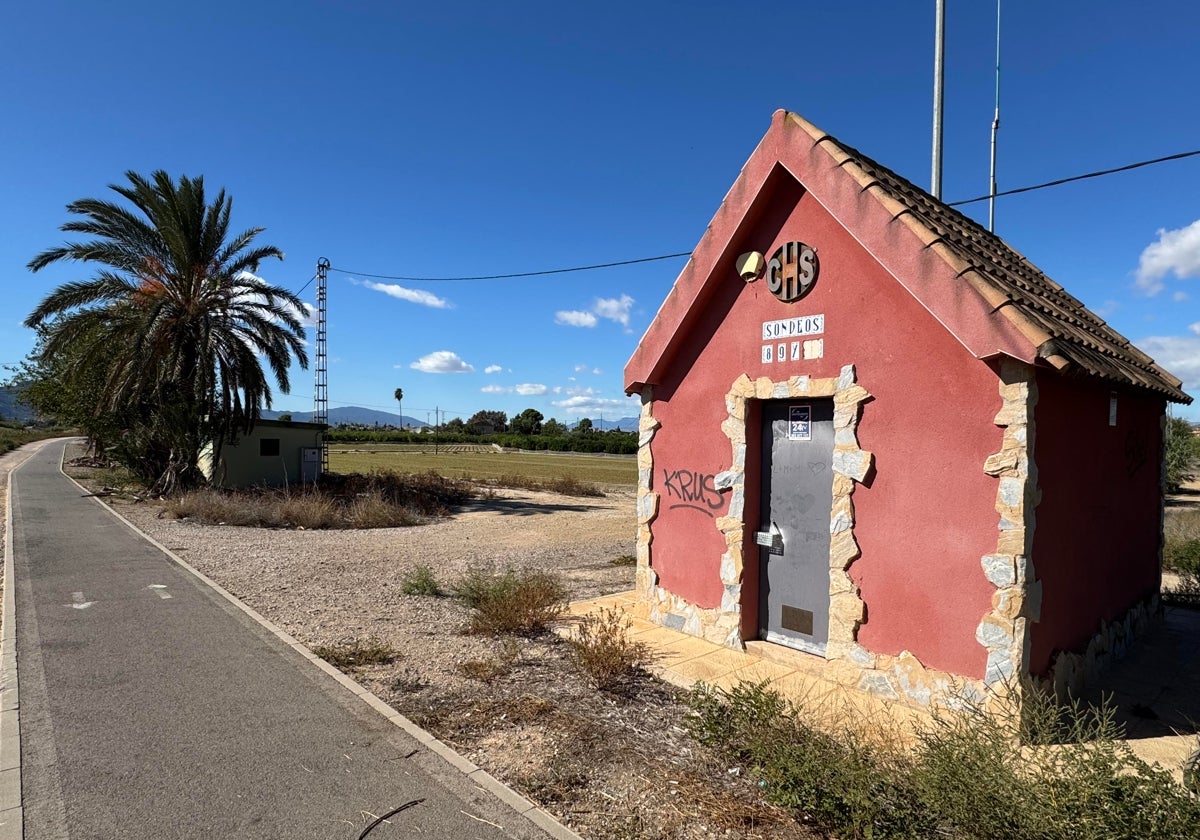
(989, 296)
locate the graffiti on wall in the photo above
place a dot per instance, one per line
(692, 489)
(1136, 451)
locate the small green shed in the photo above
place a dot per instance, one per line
(275, 453)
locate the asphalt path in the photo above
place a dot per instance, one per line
(152, 707)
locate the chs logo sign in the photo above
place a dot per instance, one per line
(792, 271)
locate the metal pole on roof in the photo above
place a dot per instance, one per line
(939, 83)
(995, 129)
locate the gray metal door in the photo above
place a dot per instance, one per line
(310, 464)
(793, 538)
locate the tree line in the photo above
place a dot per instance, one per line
(524, 431)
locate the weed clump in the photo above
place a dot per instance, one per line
(356, 653)
(515, 601)
(421, 581)
(602, 649)
(1048, 772)
(624, 560)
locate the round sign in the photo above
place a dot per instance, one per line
(792, 271)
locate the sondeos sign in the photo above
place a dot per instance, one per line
(792, 271)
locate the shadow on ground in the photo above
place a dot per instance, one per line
(1156, 687)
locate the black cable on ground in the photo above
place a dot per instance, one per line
(390, 813)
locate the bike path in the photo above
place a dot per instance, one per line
(151, 706)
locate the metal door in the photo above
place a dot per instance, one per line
(310, 464)
(797, 498)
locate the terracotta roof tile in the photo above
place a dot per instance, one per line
(1066, 333)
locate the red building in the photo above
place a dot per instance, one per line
(874, 432)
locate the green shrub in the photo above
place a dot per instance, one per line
(1182, 452)
(521, 602)
(421, 581)
(970, 775)
(602, 649)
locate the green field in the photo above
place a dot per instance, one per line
(485, 465)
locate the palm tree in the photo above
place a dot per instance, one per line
(399, 396)
(178, 315)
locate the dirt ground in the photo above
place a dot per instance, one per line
(609, 765)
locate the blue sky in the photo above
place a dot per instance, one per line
(451, 139)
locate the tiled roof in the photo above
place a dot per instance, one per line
(1065, 333)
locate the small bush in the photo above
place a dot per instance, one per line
(521, 602)
(971, 775)
(356, 653)
(602, 649)
(421, 581)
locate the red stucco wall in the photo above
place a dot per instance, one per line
(1096, 542)
(927, 516)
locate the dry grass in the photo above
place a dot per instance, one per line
(378, 500)
(567, 485)
(601, 648)
(486, 466)
(356, 653)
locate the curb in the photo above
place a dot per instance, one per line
(478, 776)
(12, 816)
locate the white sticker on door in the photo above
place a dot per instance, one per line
(799, 422)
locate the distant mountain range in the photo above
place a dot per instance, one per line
(625, 424)
(10, 409)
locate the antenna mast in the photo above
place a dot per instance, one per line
(939, 78)
(995, 129)
(321, 389)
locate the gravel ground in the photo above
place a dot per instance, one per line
(608, 765)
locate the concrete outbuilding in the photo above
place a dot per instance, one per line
(874, 433)
(275, 453)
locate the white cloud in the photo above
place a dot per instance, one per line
(492, 369)
(580, 391)
(441, 361)
(575, 318)
(597, 372)
(580, 368)
(529, 389)
(1176, 252)
(585, 406)
(1178, 354)
(1179, 297)
(614, 309)
(495, 389)
(401, 293)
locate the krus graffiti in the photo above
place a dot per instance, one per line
(694, 490)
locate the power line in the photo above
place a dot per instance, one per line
(305, 286)
(512, 276)
(1055, 183)
(1125, 168)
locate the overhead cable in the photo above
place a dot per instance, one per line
(519, 274)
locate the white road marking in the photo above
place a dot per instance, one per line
(79, 603)
(159, 590)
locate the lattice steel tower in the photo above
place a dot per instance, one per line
(321, 391)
